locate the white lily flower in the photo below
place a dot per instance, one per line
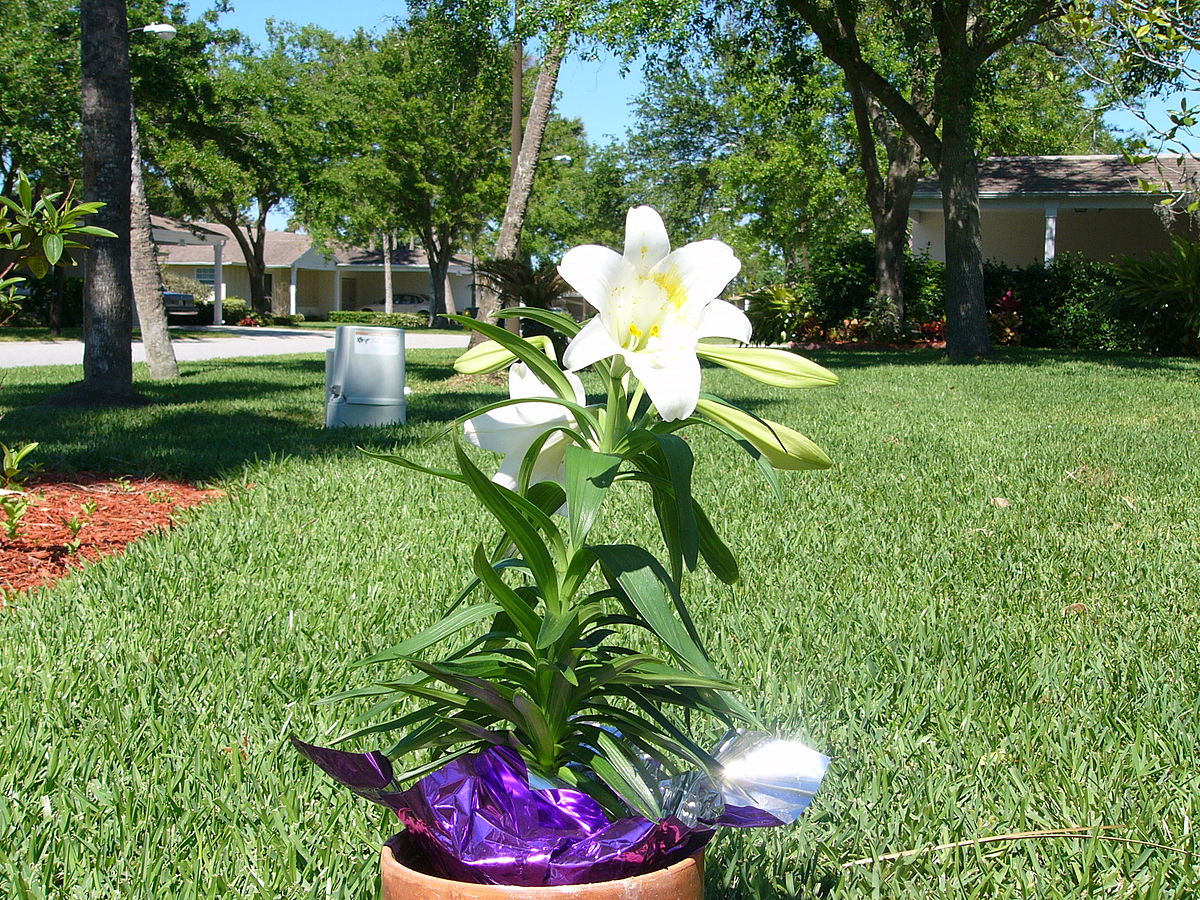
(512, 430)
(654, 306)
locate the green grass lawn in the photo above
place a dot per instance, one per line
(974, 668)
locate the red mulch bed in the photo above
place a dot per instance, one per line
(866, 345)
(126, 508)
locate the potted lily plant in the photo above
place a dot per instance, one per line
(548, 745)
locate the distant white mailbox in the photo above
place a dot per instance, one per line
(364, 377)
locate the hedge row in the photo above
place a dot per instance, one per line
(391, 320)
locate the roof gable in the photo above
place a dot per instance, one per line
(1070, 175)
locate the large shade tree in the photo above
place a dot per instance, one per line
(243, 138)
(962, 37)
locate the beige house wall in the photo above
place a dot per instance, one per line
(315, 288)
(1016, 237)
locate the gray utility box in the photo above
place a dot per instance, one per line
(364, 377)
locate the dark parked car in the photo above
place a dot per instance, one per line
(180, 305)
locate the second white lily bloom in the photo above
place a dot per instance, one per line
(654, 305)
(512, 430)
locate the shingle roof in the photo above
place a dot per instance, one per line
(280, 250)
(1001, 175)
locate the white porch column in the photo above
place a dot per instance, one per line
(292, 292)
(218, 284)
(1051, 232)
(337, 289)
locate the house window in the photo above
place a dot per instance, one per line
(206, 275)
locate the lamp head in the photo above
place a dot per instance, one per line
(161, 30)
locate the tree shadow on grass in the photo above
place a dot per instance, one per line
(210, 423)
(1002, 356)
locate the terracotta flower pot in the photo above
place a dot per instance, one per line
(682, 881)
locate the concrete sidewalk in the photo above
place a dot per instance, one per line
(248, 342)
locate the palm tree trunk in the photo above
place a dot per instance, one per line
(508, 244)
(108, 288)
(147, 281)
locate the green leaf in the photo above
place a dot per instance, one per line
(780, 368)
(535, 725)
(510, 510)
(678, 458)
(396, 460)
(588, 477)
(528, 622)
(648, 587)
(475, 688)
(451, 624)
(618, 768)
(95, 230)
(784, 447)
(52, 247)
(717, 555)
(490, 356)
(559, 322)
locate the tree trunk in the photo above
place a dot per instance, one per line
(108, 289)
(147, 281)
(888, 194)
(439, 264)
(387, 273)
(508, 244)
(966, 310)
(57, 298)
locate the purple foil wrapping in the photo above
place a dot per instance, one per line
(477, 819)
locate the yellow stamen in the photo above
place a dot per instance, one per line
(672, 286)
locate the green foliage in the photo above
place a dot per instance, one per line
(842, 275)
(233, 310)
(287, 318)
(580, 196)
(39, 94)
(11, 459)
(391, 320)
(781, 313)
(725, 144)
(1066, 304)
(956, 705)
(173, 281)
(36, 234)
(1162, 295)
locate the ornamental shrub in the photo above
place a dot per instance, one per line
(842, 277)
(233, 310)
(392, 320)
(287, 319)
(1066, 305)
(1162, 295)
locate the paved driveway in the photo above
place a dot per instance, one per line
(246, 342)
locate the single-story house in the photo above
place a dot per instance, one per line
(1033, 207)
(301, 278)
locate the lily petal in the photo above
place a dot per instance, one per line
(722, 319)
(697, 273)
(646, 241)
(502, 430)
(592, 344)
(672, 382)
(593, 271)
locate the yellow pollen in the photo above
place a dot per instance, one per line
(672, 286)
(654, 332)
(635, 331)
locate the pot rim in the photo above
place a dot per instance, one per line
(434, 882)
